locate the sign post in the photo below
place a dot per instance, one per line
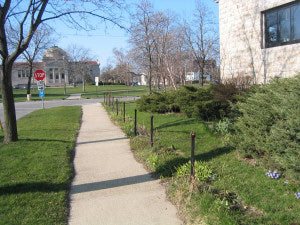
(96, 84)
(40, 75)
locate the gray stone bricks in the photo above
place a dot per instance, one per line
(242, 50)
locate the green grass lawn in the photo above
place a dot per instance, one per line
(36, 171)
(126, 91)
(91, 91)
(241, 193)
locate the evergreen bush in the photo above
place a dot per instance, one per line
(207, 103)
(268, 123)
(155, 102)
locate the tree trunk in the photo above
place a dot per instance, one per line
(164, 84)
(150, 80)
(171, 77)
(9, 111)
(83, 85)
(29, 78)
(202, 76)
(150, 73)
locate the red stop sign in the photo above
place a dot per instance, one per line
(39, 75)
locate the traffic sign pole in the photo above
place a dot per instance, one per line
(42, 95)
(40, 75)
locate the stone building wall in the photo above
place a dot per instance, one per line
(242, 50)
(57, 67)
(20, 73)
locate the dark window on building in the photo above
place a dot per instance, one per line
(282, 25)
(56, 76)
(23, 73)
(19, 73)
(62, 76)
(51, 76)
(27, 73)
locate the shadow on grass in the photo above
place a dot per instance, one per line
(168, 168)
(33, 187)
(175, 131)
(177, 123)
(44, 140)
(46, 187)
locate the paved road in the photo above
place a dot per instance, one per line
(23, 108)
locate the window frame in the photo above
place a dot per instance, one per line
(266, 43)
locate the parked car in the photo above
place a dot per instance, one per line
(16, 86)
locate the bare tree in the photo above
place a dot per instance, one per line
(141, 32)
(107, 73)
(41, 40)
(161, 39)
(78, 58)
(201, 38)
(26, 17)
(123, 67)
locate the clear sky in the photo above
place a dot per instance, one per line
(101, 42)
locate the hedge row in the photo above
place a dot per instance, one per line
(267, 124)
(207, 103)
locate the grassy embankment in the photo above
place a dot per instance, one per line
(91, 91)
(36, 171)
(240, 192)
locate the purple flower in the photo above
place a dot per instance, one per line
(273, 175)
(297, 195)
(286, 182)
(212, 177)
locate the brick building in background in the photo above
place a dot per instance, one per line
(259, 38)
(57, 67)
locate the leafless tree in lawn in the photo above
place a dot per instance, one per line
(26, 16)
(123, 66)
(141, 37)
(41, 40)
(107, 73)
(78, 57)
(162, 39)
(201, 37)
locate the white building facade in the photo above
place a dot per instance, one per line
(259, 39)
(55, 64)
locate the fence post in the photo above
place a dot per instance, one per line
(151, 132)
(117, 102)
(193, 135)
(113, 104)
(135, 117)
(124, 113)
(109, 99)
(104, 96)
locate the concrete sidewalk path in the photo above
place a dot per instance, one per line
(110, 187)
(74, 97)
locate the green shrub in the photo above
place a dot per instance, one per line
(202, 171)
(155, 102)
(268, 123)
(195, 102)
(222, 127)
(207, 103)
(223, 95)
